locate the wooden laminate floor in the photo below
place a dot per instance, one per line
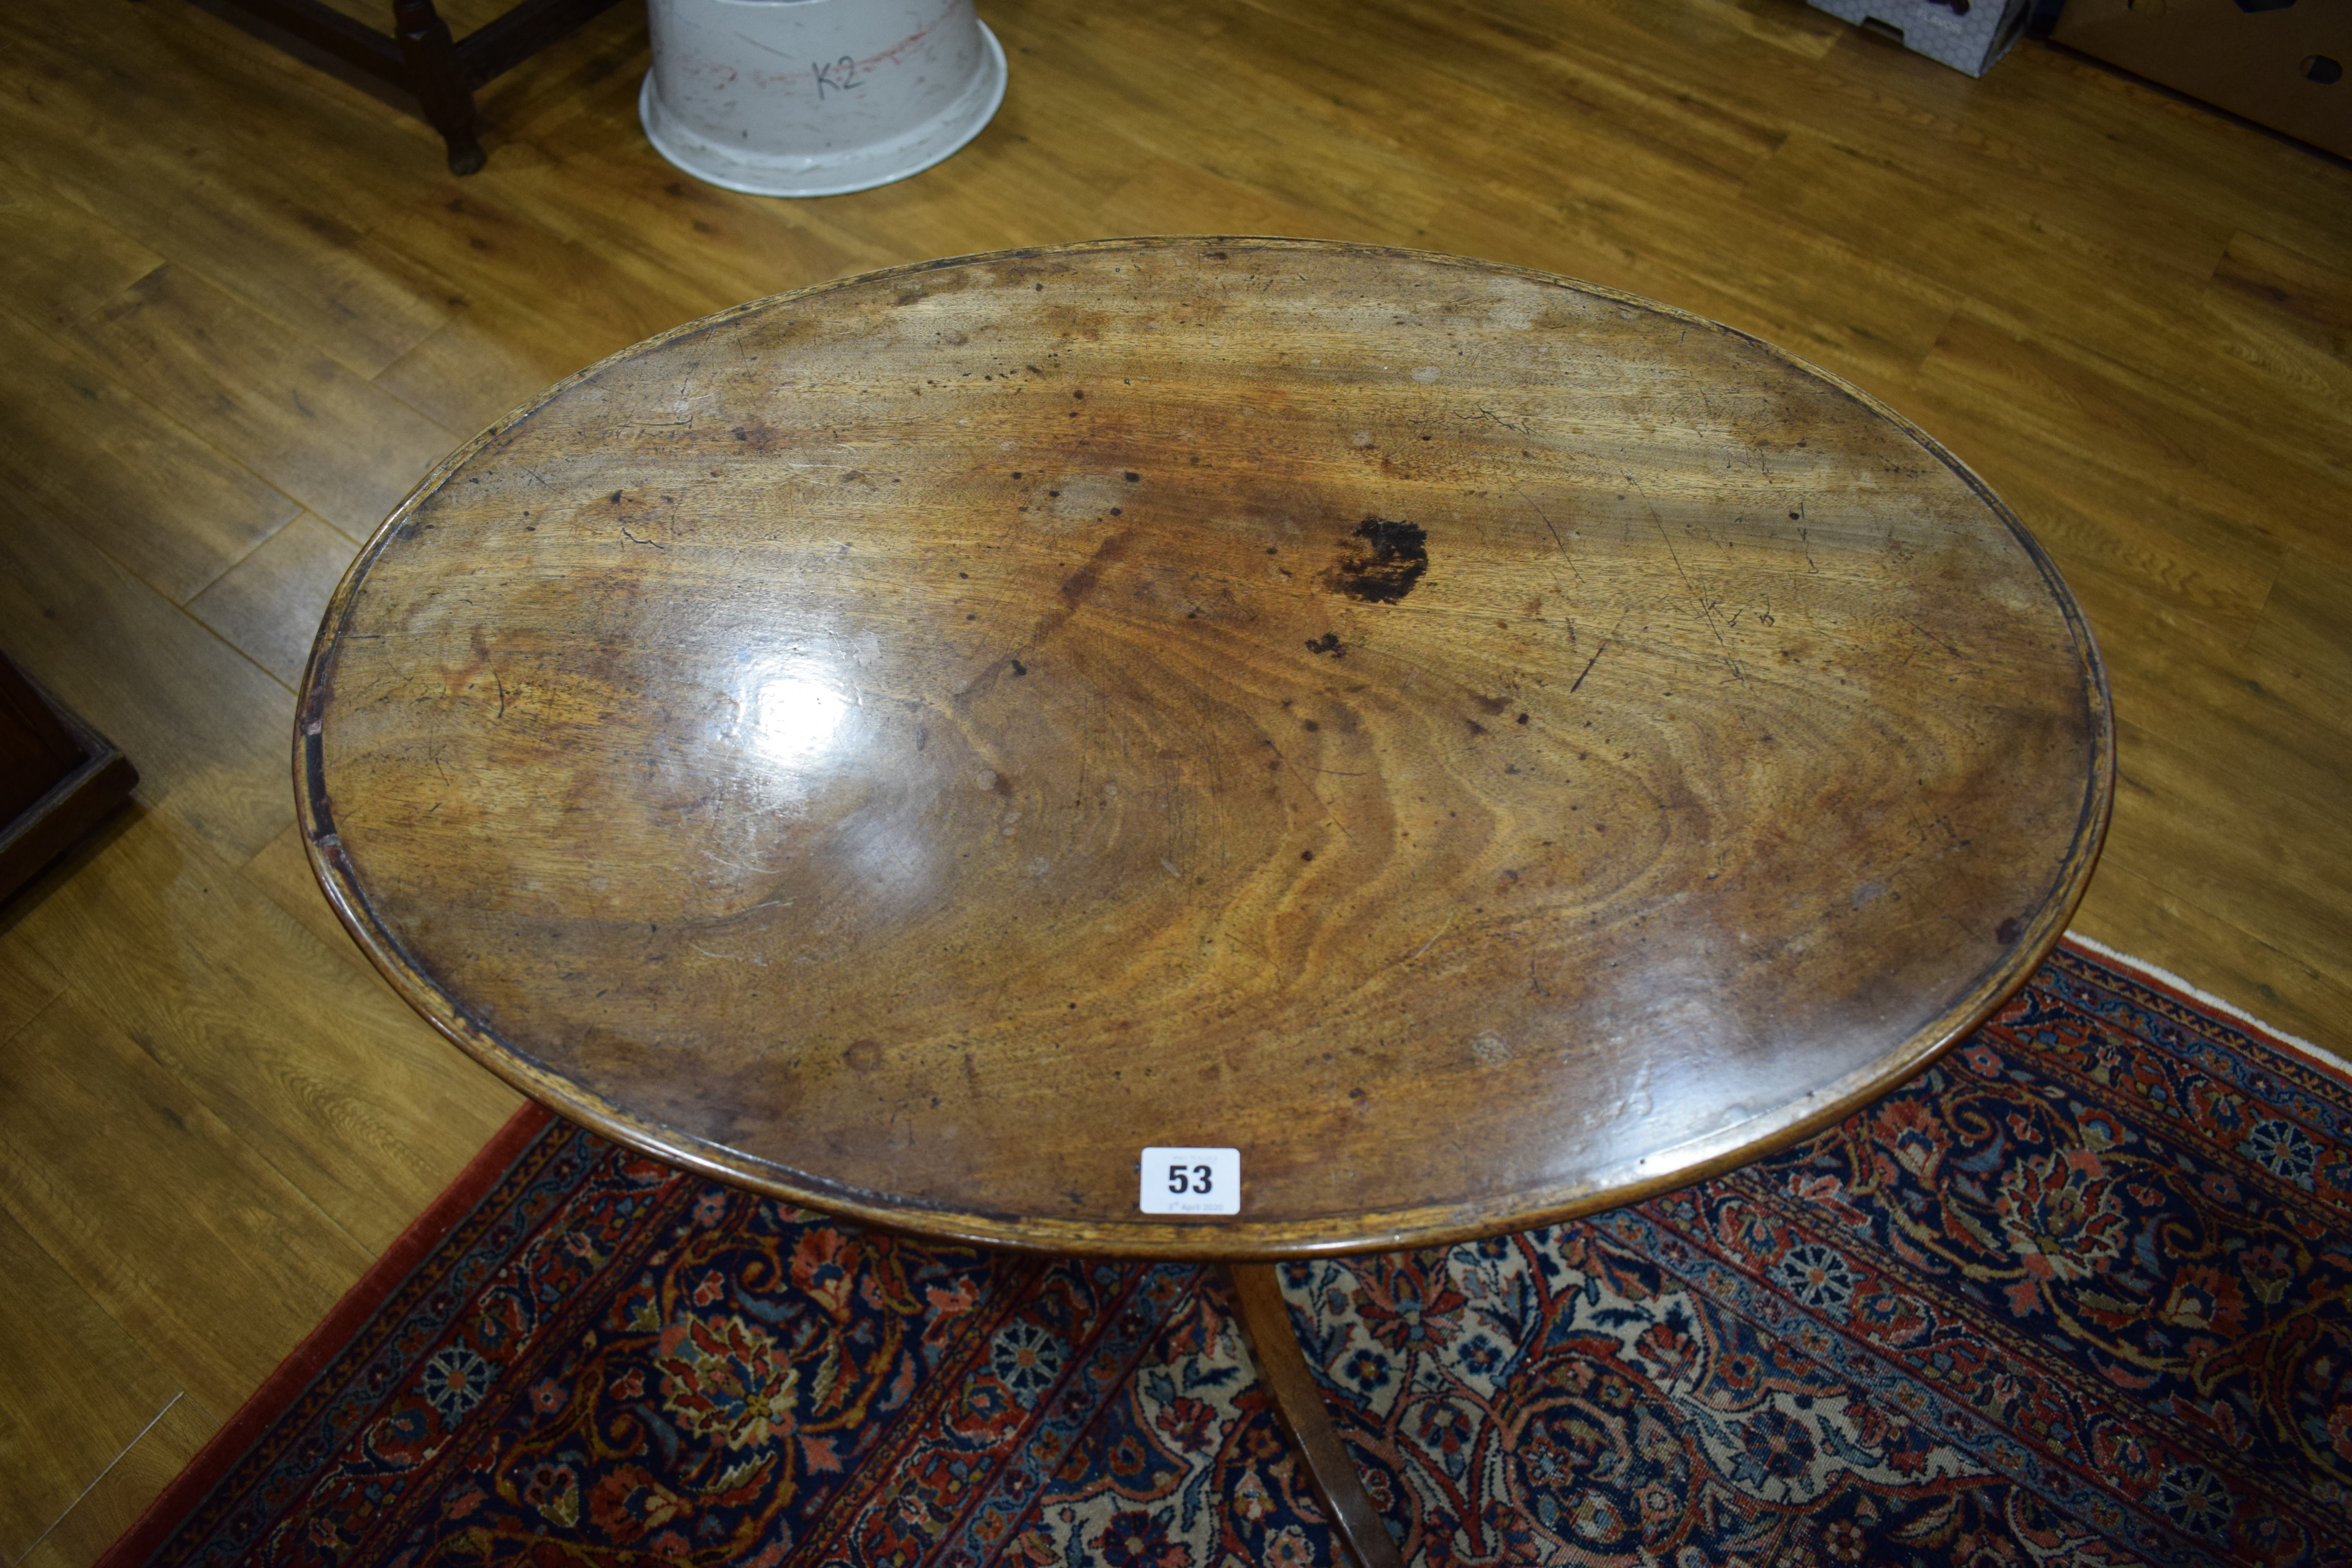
(242, 309)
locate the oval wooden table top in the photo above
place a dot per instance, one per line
(1483, 746)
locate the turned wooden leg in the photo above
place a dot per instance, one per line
(1298, 1406)
(439, 80)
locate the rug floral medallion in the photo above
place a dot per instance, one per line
(2079, 1294)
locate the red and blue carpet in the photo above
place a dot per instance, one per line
(2082, 1293)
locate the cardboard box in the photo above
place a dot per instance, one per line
(1965, 35)
(2279, 65)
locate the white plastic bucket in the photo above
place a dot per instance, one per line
(816, 98)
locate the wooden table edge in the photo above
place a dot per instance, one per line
(1231, 1241)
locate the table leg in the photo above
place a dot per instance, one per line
(1298, 1404)
(438, 80)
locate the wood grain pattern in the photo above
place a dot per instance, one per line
(2151, 916)
(28, 985)
(2123, 305)
(1479, 745)
(61, 1424)
(78, 444)
(464, 377)
(2302, 636)
(339, 444)
(74, 1092)
(201, 723)
(357, 1105)
(283, 870)
(58, 263)
(252, 210)
(119, 1494)
(260, 606)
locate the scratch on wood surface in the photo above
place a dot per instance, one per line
(730, 957)
(1705, 608)
(1587, 667)
(1931, 636)
(1441, 930)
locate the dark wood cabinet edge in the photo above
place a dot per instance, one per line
(80, 800)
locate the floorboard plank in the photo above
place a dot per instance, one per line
(27, 983)
(209, 732)
(267, 605)
(243, 307)
(116, 1500)
(2150, 919)
(338, 444)
(58, 263)
(79, 1394)
(2303, 631)
(2232, 845)
(283, 870)
(350, 1095)
(2315, 298)
(143, 1197)
(2027, 273)
(77, 443)
(252, 211)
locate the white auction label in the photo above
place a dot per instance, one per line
(1192, 1180)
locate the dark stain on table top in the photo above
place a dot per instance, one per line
(1486, 747)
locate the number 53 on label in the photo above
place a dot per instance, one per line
(1192, 1180)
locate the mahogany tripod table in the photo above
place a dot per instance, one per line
(1422, 747)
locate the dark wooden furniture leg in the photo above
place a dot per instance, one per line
(439, 78)
(417, 66)
(1298, 1404)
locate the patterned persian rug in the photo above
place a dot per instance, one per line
(2080, 1294)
